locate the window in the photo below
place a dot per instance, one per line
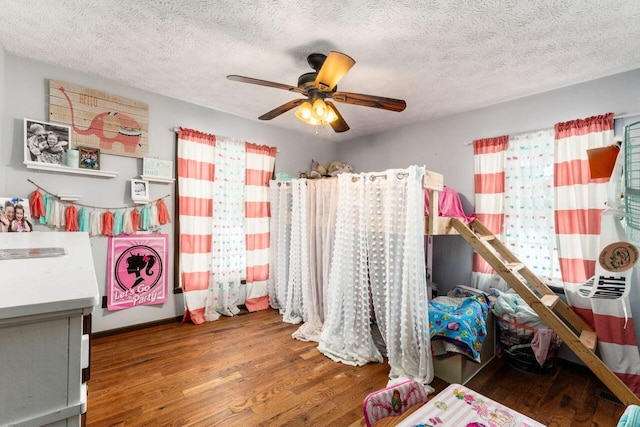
(529, 229)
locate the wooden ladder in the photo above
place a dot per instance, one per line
(570, 327)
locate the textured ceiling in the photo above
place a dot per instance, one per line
(441, 56)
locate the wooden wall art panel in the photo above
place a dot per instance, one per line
(114, 124)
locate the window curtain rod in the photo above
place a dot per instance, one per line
(618, 117)
(176, 130)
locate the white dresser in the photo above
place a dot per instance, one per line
(45, 308)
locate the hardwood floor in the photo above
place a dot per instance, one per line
(248, 371)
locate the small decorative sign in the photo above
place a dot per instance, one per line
(618, 256)
(157, 169)
(137, 271)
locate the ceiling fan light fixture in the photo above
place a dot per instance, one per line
(319, 108)
(304, 111)
(331, 116)
(317, 114)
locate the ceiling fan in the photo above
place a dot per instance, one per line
(320, 85)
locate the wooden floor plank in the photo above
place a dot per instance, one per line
(248, 371)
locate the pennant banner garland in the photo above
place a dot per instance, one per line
(95, 220)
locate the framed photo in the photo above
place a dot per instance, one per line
(15, 214)
(45, 142)
(89, 158)
(140, 190)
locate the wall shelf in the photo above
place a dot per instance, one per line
(49, 167)
(157, 179)
(68, 197)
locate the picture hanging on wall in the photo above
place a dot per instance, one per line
(139, 190)
(111, 123)
(89, 158)
(45, 142)
(15, 214)
(157, 169)
(137, 270)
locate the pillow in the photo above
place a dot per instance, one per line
(393, 400)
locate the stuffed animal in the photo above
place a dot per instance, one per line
(322, 170)
(314, 173)
(337, 167)
(332, 169)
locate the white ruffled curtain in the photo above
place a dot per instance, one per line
(395, 229)
(298, 280)
(321, 212)
(303, 215)
(346, 335)
(281, 197)
(379, 246)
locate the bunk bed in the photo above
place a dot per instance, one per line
(455, 366)
(571, 328)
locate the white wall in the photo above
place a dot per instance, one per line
(25, 86)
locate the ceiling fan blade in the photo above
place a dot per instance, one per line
(334, 68)
(281, 109)
(338, 125)
(267, 83)
(370, 101)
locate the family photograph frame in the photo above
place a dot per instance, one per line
(88, 158)
(7, 219)
(45, 142)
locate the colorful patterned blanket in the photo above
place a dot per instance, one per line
(459, 406)
(463, 325)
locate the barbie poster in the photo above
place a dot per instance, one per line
(137, 270)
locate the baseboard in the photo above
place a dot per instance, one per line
(137, 327)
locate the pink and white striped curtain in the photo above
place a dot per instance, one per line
(196, 172)
(224, 223)
(260, 163)
(489, 164)
(579, 202)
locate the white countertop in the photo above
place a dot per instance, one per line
(33, 285)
